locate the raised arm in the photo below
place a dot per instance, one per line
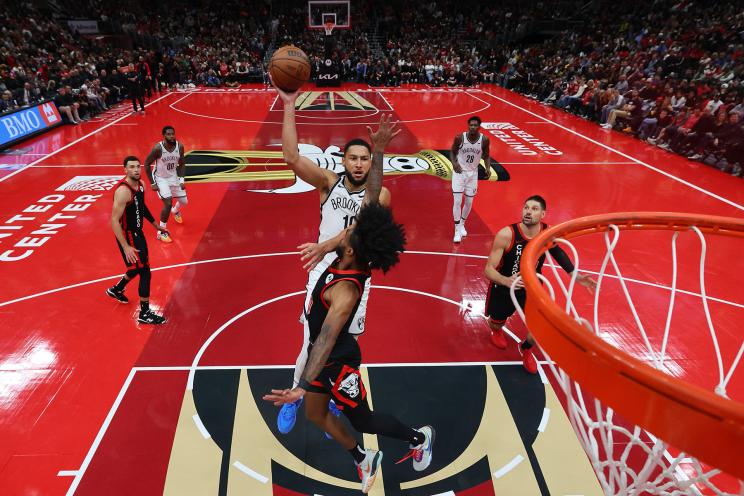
(500, 244)
(303, 167)
(380, 139)
(456, 144)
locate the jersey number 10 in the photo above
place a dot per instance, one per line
(349, 220)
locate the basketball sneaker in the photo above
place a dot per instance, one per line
(164, 237)
(117, 295)
(285, 422)
(422, 453)
(498, 338)
(368, 469)
(177, 217)
(528, 360)
(150, 317)
(463, 232)
(336, 413)
(458, 235)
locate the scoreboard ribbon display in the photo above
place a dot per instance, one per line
(23, 123)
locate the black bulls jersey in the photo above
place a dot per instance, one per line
(513, 254)
(134, 212)
(345, 342)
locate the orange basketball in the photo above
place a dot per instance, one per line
(289, 68)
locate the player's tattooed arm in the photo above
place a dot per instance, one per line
(151, 158)
(500, 244)
(343, 298)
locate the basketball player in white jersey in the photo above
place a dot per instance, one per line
(168, 178)
(467, 151)
(341, 197)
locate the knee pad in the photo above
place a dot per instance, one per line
(144, 282)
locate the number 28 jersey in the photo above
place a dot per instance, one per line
(339, 210)
(469, 155)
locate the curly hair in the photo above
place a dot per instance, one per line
(377, 240)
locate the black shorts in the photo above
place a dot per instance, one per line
(499, 305)
(340, 378)
(136, 239)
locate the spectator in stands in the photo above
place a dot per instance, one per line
(67, 106)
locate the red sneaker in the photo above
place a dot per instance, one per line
(528, 361)
(498, 338)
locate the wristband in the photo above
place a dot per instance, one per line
(303, 384)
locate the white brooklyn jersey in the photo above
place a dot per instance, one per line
(469, 154)
(339, 210)
(165, 166)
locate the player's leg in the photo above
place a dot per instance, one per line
(117, 290)
(287, 417)
(180, 201)
(146, 316)
(166, 195)
(471, 188)
(499, 308)
(458, 187)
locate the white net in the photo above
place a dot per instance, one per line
(627, 459)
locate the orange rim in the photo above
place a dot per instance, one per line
(686, 416)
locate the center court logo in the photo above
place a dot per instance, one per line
(90, 183)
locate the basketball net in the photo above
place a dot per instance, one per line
(328, 27)
(627, 458)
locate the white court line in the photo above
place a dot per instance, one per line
(186, 368)
(67, 473)
(635, 160)
(260, 255)
(566, 163)
(386, 100)
(246, 470)
(508, 467)
(544, 420)
(200, 425)
(68, 145)
(99, 436)
(350, 123)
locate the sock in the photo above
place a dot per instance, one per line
(144, 306)
(358, 454)
(417, 438)
(525, 345)
(162, 224)
(176, 207)
(120, 285)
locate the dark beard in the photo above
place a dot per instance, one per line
(355, 182)
(340, 252)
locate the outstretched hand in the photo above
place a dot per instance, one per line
(312, 254)
(385, 132)
(587, 281)
(287, 98)
(283, 396)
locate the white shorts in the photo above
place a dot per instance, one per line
(357, 325)
(465, 182)
(169, 187)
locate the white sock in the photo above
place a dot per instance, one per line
(162, 224)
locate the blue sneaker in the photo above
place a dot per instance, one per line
(285, 422)
(336, 413)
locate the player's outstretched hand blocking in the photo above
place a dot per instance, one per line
(385, 132)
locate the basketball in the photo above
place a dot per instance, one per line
(289, 68)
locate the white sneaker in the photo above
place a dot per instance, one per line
(368, 469)
(463, 232)
(421, 454)
(458, 235)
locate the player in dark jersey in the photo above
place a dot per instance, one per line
(502, 270)
(332, 369)
(127, 219)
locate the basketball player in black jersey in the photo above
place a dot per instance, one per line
(127, 219)
(332, 368)
(502, 270)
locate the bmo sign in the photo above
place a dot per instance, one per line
(23, 123)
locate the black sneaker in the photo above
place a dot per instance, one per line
(117, 295)
(150, 317)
